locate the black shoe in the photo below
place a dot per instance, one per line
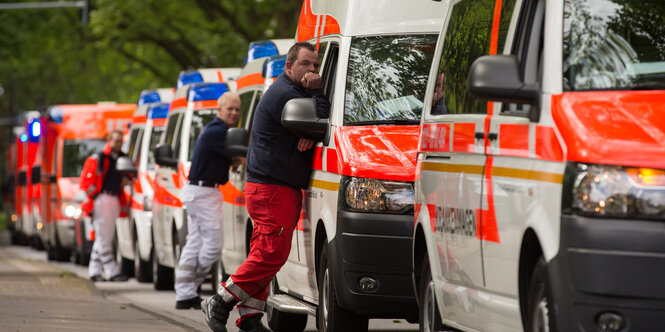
(193, 303)
(216, 312)
(97, 277)
(119, 277)
(253, 324)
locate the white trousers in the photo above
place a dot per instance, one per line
(204, 238)
(106, 211)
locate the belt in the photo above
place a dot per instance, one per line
(202, 183)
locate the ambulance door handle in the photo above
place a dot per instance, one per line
(479, 135)
(492, 136)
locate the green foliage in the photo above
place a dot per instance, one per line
(128, 46)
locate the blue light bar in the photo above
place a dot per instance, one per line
(55, 114)
(158, 111)
(24, 138)
(206, 91)
(260, 49)
(148, 96)
(274, 66)
(189, 77)
(35, 128)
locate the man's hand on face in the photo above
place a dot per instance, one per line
(305, 144)
(312, 81)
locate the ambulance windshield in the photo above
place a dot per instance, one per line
(75, 152)
(614, 45)
(387, 78)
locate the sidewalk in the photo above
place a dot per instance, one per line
(37, 296)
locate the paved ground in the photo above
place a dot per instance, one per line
(36, 295)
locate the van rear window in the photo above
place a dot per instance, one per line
(75, 152)
(613, 45)
(387, 78)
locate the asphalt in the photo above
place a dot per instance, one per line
(37, 296)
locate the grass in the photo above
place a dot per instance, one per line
(3, 221)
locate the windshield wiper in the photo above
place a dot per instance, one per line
(398, 122)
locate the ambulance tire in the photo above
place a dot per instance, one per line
(428, 309)
(217, 275)
(330, 317)
(36, 243)
(280, 321)
(126, 265)
(162, 276)
(142, 269)
(56, 252)
(540, 306)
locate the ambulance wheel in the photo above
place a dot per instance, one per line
(217, 275)
(126, 265)
(332, 318)
(36, 243)
(430, 320)
(540, 307)
(57, 252)
(142, 269)
(162, 276)
(280, 321)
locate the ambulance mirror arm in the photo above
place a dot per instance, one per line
(164, 156)
(497, 78)
(237, 142)
(299, 116)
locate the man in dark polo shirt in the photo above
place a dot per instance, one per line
(203, 199)
(278, 167)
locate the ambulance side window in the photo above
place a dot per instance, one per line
(135, 147)
(245, 104)
(467, 38)
(172, 124)
(255, 102)
(323, 46)
(328, 71)
(527, 47)
(177, 141)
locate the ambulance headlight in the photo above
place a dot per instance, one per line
(372, 195)
(616, 191)
(71, 210)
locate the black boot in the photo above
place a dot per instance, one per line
(193, 303)
(253, 324)
(216, 312)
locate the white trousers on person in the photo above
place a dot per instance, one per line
(204, 238)
(106, 211)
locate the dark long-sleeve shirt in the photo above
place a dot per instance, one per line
(273, 155)
(210, 162)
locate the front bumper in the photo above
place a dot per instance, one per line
(378, 246)
(610, 265)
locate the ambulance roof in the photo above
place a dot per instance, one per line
(162, 95)
(266, 48)
(207, 75)
(362, 17)
(84, 121)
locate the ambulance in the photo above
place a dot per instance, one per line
(19, 185)
(540, 187)
(193, 105)
(350, 258)
(8, 188)
(69, 135)
(28, 215)
(254, 78)
(134, 233)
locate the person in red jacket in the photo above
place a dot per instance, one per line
(103, 183)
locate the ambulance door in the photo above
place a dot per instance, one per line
(164, 198)
(454, 159)
(518, 181)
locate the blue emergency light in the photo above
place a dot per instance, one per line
(260, 49)
(158, 111)
(55, 114)
(24, 138)
(189, 77)
(34, 129)
(206, 91)
(149, 96)
(274, 66)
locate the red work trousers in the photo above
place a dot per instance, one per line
(275, 211)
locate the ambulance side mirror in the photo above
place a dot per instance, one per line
(164, 156)
(125, 165)
(237, 142)
(299, 116)
(497, 78)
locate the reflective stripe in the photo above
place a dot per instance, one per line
(189, 268)
(184, 280)
(247, 311)
(254, 303)
(230, 291)
(90, 190)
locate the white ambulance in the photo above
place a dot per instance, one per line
(194, 105)
(540, 193)
(350, 257)
(134, 233)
